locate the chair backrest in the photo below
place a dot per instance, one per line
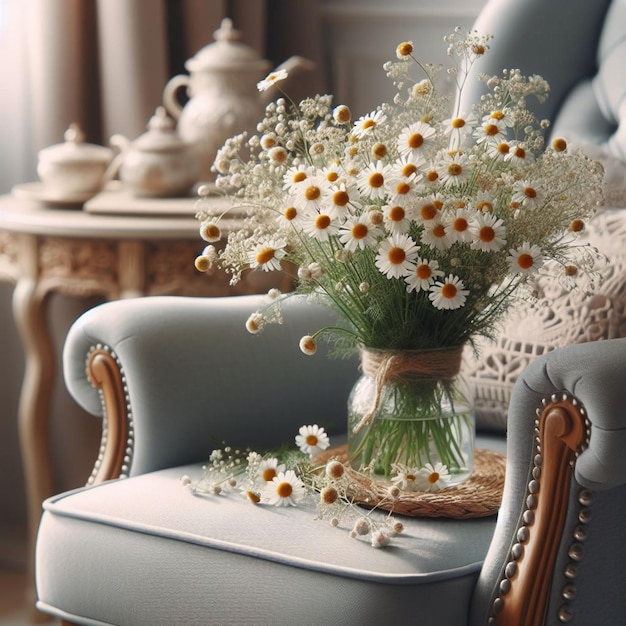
(559, 550)
(577, 46)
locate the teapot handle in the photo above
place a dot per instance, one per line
(170, 99)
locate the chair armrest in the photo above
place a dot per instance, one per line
(177, 376)
(565, 443)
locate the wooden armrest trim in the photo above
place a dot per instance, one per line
(105, 373)
(561, 433)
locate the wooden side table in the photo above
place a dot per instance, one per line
(73, 252)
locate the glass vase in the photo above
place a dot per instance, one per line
(418, 420)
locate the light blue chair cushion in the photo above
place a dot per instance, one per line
(121, 544)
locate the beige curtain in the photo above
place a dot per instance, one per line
(104, 63)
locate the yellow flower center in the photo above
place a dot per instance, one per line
(284, 489)
(559, 145)
(454, 169)
(403, 188)
(368, 123)
(268, 474)
(577, 226)
(416, 140)
(405, 49)
(410, 477)
(428, 211)
(484, 205)
(487, 234)
(396, 214)
(525, 261)
(491, 130)
(396, 255)
(322, 221)
(265, 255)
(376, 180)
(332, 176)
(433, 477)
(530, 192)
(291, 213)
(458, 122)
(340, 198)
(571, 270)
(359, 231)
(520, 153)
(409, 169)
(212, 231)
(424, 272)
(460, 225)
(497, 115)
(312, 193)
(439, 231)
(432, 176)
(311, 440)
(298, 177)
(503, 148)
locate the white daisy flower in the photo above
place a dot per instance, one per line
(401, 190)
(526, 259)
(340, 200)
(405, 478)
(407, 168)
(286, 489)
(416, 138)
(484, 202)
(332, 173)
(396, 218)
(267, 255)
(423, 274)
(503, 116)
(371, 180)
(269, 468)
(312, 193)
(428, 210)
(367, 123)
(491, 131)
(312, 439)
(395, 256)
(488, 232)
(526, 193)
(291, 214)
(437, 234)
(461, 125)
(295, 176)
(320, 226)
(459, 224)
(358, 232)
(271, 79)
(518, 155)
(449, 293)
(453, 169)
(498, 150)
(433, 477)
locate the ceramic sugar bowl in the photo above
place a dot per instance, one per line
(75, 167)
(158, 163)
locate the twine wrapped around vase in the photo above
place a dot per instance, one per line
(386, 366)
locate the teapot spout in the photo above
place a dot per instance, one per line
(293, 66)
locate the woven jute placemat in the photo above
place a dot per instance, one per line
(479, 496)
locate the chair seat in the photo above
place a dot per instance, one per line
(120, 541)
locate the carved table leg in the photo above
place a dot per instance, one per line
(29, 310)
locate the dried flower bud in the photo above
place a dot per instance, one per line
(335, 469)
(404, 50)
(308, 345)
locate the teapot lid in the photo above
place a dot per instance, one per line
(227, 52)
(161, 135)
(74, 149)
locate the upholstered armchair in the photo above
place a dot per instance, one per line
(173, 377)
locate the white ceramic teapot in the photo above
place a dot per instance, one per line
(158, 163)
(223, 97)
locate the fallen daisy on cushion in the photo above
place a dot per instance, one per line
(286, 489)
(312, 439)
